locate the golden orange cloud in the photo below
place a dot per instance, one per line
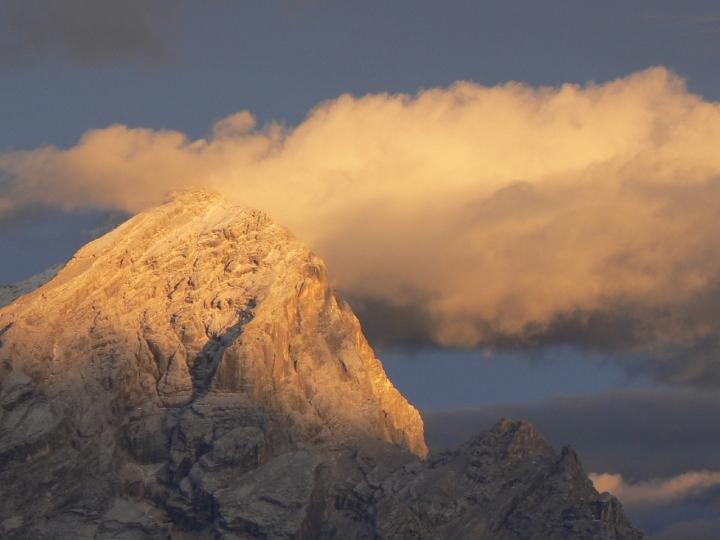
(504, 211)
(656, 492)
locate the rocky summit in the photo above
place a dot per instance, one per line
(192, 375)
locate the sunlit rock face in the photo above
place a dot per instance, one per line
(198, 297)
(191, 374)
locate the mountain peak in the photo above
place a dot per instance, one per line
(192, 371)
(197, 297)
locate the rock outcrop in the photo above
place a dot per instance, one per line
(192, 375)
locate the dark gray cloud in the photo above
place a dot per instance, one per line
(641, 434)
(673, 343)
(707, 24)
(387, 325)
(12, 217)
(106, 222)
(34, 237)
(697, 529)
(92, 32)
(692, 519)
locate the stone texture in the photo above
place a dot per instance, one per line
(191, 375)
(9, 293)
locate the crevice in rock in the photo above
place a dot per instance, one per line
(2, 332)
(209, 358)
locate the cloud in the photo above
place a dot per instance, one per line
(641, 433)
(12, 216)
(658, 491)
(646, 437)
(706, 24)
(35, 237)
(700, 529)
(497, 217)
(91, 32)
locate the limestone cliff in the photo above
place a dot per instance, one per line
(196, 297)
(192, 375)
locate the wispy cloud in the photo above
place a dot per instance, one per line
(646, 436)
(499, 216)
(684, 19)
(705, 24)
(698, 529)
(659, 491)
(641, 434)
(91, 32)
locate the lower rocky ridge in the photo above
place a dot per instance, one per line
(225, 467)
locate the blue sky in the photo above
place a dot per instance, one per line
(181, 67)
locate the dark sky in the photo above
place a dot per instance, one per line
(68, 66)
(187, 67)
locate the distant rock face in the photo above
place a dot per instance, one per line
(192, 375)
(10, 293)
(505, 483)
